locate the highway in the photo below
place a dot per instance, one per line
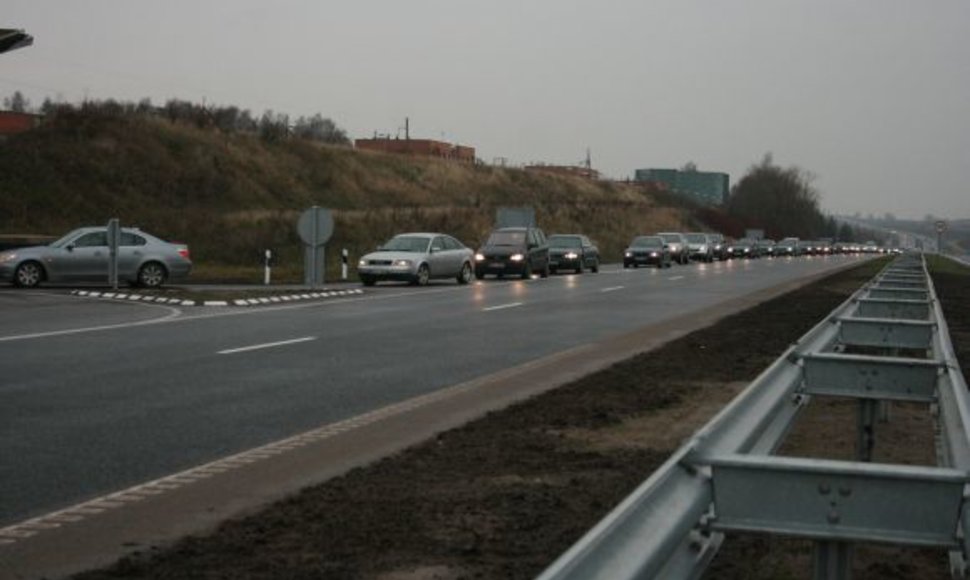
(97, 396)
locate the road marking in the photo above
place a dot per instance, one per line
(502, 307)
(267, 345)
(173, 314)
(676, 278)
(612, 289)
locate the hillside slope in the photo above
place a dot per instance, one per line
(230, 196)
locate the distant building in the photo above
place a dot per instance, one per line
(12, 123)
(571, 170)
(703, 186)
(422, 147)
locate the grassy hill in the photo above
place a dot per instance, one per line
(232, 195)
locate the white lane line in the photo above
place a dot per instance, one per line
(267, 345)
(173, 314)
(612, 289)
(502, 307)
(676, 278)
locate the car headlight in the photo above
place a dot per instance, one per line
(402, 263)
(7, 257)
(746, 250)
(627, 254)
(654, 254)
(479, 258)
(571, 255)
(516, 257)
(362, 262)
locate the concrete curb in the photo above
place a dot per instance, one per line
(262, 301)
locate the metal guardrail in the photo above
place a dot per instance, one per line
(726, 478)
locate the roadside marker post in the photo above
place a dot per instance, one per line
(343, 264)
(266, 268)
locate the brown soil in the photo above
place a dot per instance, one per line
(505, 495)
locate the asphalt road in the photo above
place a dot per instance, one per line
(96, 396)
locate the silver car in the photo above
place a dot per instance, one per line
(83, 255)
(417, 258)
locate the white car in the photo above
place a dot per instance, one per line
(417, 258)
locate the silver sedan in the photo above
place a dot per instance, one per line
(83, 256)
(417, 258)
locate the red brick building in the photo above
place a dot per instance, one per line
(12, 123)
(422, 147)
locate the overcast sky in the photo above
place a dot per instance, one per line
(871, 96)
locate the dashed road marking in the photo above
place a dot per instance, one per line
(502, 307)
(267, 345)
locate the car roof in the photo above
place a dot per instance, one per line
(422, 234)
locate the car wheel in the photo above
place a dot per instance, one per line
(368, 280)
(423, 275)
(527, 271)
(544, 273)
(152, 275)
(579, 267)
(596, 267)
(28, 275)
(465, 276)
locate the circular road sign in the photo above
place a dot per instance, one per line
(940, 226)
(315, 226)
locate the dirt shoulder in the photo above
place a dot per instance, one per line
(505, 495)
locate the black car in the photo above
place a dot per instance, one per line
(744, 248)
(517, 251)
(573, 252)
(646, 250)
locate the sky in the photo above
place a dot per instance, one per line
(872, 97)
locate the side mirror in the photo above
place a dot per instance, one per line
(69, 247)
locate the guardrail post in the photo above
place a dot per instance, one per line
(833, 561)
(867, 425)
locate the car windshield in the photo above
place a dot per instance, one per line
(506, 239)
(697, 238)
(746, 242)
(67, 238)
(407, 244)
(670, 238)
(648, 242)
(565, 242)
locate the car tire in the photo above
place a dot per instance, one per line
(465, 275)
(423, 275)
(579, 266)
(368, 280)
(527, 271)
(28, 275)
(544, 273)
(152, 275)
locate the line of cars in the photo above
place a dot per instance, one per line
(508, 251)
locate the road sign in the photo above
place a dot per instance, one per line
(940, 226)
(506, 217)
(114, 240)
(315, 226)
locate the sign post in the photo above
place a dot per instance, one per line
(940, 230)
(114, 240)
(315, 227)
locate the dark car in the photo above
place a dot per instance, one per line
(743, 248)
(518, 251)
(573, 252)
(647, 250)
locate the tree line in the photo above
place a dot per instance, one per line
(783, 202)
(271, 126)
